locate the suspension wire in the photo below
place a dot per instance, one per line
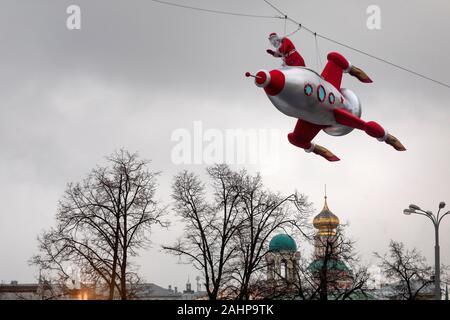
(319, 55)
(386, 61)
(294, 32)
(275, 8)
(315, 34)
(248, 15)
(286, 18)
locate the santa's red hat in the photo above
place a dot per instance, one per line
(273, 34)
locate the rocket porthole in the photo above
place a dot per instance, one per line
(331, 98)
(321, 94)
(308, 89)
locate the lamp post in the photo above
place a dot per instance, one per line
(436, 219)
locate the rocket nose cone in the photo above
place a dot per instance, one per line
(272, 82)
(262, 78)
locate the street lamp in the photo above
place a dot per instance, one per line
(414, 207)
(407, 212)
(436, 219)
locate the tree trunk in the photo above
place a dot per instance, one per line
(112, 285)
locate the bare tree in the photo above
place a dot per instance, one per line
(209, 227)
(334, 272)
(262, 213)
(102, 222)
(407, 269)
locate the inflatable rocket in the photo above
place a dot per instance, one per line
(319, 103)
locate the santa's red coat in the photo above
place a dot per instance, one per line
(290, 55)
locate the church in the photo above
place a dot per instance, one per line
(284, 269)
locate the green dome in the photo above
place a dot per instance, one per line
(282, 242)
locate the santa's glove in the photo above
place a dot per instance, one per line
(271, 52)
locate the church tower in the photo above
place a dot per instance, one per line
(188, 287)
(326, 223)
(326, 249)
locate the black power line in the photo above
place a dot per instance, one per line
(385, 61)
(216, 11)
(284, 16)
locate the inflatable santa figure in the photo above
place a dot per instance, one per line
(285, 49)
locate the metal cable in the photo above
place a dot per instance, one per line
(217, 11)
(301, 26)
(358, 50)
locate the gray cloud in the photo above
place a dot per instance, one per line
(138, 70)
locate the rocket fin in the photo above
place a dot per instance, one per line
(334, 69)
(303, 133)
(337, 65)
(302, 136)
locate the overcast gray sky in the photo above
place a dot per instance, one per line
(138, 70)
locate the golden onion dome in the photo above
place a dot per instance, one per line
(326, 222)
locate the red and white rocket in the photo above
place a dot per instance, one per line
(319, 103)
